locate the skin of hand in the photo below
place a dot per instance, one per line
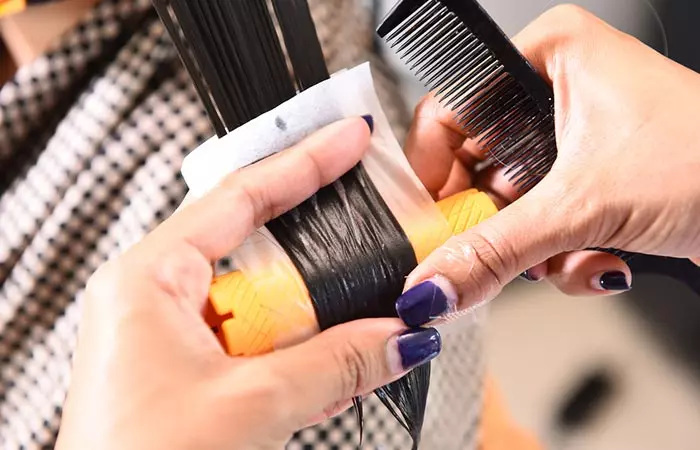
(148, 372)
(626, 176)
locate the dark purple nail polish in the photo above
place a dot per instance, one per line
(422, 304)
(419, 346)
(614, 281)
(527, 276)
(370, 122)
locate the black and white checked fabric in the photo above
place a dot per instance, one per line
(92, 136)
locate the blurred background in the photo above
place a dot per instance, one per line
(600, 374)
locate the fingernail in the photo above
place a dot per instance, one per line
(614, 281)
(527, 276)
(370, 122)
(426, 302)
(414, 348)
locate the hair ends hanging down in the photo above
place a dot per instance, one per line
(354, 257)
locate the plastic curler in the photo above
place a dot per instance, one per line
(264, 305)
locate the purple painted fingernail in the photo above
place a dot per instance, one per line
(426, 302)
(370, 122)
(527, 276)
(614, 281)
(414, 348)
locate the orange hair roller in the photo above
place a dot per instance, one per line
(252, 317)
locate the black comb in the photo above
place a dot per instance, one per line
(460, 53)
(457, 50)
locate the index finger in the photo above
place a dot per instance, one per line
(247, 199)
(432, 142)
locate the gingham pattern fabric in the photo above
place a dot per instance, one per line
(92, 137)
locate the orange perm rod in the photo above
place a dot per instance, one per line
(256, 317)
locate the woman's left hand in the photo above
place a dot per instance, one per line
(148, 372)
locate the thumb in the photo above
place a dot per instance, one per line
(475, 266)
(315, 379)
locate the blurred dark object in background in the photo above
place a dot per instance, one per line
(586, 400)
(680, 18)
(673, 312)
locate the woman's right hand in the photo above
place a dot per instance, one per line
(627, 175)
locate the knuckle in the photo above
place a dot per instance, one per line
(259, 202)
(178, 270)
(262, 206)
(423, 105)
(494, 256)
(251, 202)
(478, 263)
(104, 279)
(455, 259)
(315, 167)
(427, 107)
(355, 369)
(584, 219)
(330, 411)
(566, 281)
(106, 289)
(566, 212)
(182, 271)
(564, 25)
(574, 17)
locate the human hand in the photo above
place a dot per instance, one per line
(626, 174)
(148, 371)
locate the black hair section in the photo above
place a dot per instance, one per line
(348, 247)
(354, 257)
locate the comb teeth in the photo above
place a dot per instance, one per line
(477, 81)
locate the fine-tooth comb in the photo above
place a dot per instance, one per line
(457, 50)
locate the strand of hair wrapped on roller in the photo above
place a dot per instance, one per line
(245, 319)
